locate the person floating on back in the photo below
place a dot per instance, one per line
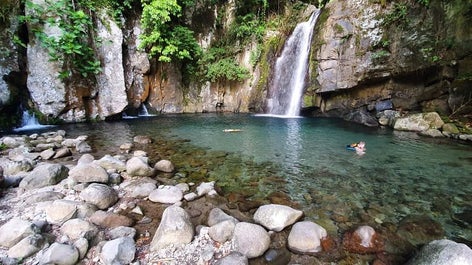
(358, 147)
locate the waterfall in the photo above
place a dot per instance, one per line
(143, 111)
(290, 70)
(30, 122)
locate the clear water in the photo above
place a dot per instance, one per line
(400, 175)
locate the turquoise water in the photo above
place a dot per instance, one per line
(400, 175)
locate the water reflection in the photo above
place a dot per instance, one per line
(293, 145)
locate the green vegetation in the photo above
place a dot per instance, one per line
(72, 44)
(397, 16)
(6, 8)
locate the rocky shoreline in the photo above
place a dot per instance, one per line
(61, 205)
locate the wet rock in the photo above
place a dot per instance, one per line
(15, 230)
(140, 187)
(450, 128)
(13, 167)
(27, 247)
(217, 215)
(110, 220)
(305, 237)
(43, 196)
(233, 258)
(164, 166)
(142, 139)
(363, 240)
(100, 195)
(109, 162)
(83, 147)
(78, 228)
(175, 228)
(63, 152)
(60, 211)
(222, 231)
(435, 133)
(420, 230)
(206, 188)
(88, 172)
(276, 217)
(138, 166)
(118, 251)
(277, 256)
(60, 254)
(442, 252)
(166, 194)
(47, 154)
(121, 231)
(251, 240)
(44, 175)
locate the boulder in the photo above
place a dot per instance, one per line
(450, 128)
(276, 217)
(109, 162)
(43, 196)
(82, 246)
(100, 195)
(137, 166)
(83, 147)
(420, 229)
(88, 172)
(140, 187)
(305, 237)
(110, 220)
(44, 175)
(442, 252)
(175, 229)
(222, 231)
(47, 154)
(63, 152)
(121, 231)
(60, 211)
(118, 251)
(78, 228)
(142, 139)
(418, 122)
(27, 247)
(251, 240)
(15, 230)
(14, 167)
(166, 194)
(62, 254)
(217, 215)
(164, 166)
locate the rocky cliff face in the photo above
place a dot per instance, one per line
(364, 62)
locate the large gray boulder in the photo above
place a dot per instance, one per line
(44, 175)
(419, 122)
(78, 228)
(118, 251)
(175, 229)
(109, 162)
(27, 247)
(166, 194)
(100, 195)
(252, 240)
(15, 230)
(305, 237)
(276, 217)
(139, 187)
(61, 254)
(88, 172)
(443, 252)
(60, 211)
(138, 166)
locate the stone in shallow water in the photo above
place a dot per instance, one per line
(252, 240)
(443, 252)
(420, 230)
(276, 217)
(363, 240)
(305, 237)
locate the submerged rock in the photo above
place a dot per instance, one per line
(363, 240)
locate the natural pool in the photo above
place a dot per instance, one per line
(401, 175)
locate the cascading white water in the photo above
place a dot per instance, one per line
(290, 70)
(30, 122)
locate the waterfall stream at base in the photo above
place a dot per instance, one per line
(290, 71)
